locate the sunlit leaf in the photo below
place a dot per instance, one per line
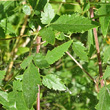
(30, 82)
(53, 82)
(57, 52)
(48, 14)
(73, 23)
(104, 98)
(26, 9)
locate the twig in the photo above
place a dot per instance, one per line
(17, 37)
(97, 48)
(81, 66)
(38, 40)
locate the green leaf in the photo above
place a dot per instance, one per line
(104, 98)
(5, 4)
(26, 62)
(106, 55)
(15, 101)
(73, 23)
(53, 82)
(8, 27)
(2, 74)
(61, 36)
(48, 14)
(22, 50)
(41, 4)
(20, 102)
(107, 73)
(8, 100)
(12, 101)
(57, 52)
(33, 3)
(90, 38)
(30, 82)
(48, 35)
(40, 61)
(3, 98)
(26, 10)
(91, 43)
(79, 49)
(104, 10)
(86, 7)
(17, 85)
(19, 77)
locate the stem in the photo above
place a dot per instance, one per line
(15, 48)
(97, 48)
(81, 66)
(38, 40)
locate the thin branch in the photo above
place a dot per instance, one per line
(80, 66)
(97, 48)
(38, 40)
(21, 36)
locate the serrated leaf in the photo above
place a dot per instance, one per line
(26, 62)
(31, 79)
(104, 10)
(57, 52)
(17, 85)
(40, 61)
(8, 27)
(26, 9)
(107, 73)
(48, 35)
(15, 101)
(106, 55)
(53, 82)
(79, 49)
(73, 23)
(11, 105)
(48, 14)
(7, 100)
(104, 99)
(3, 98)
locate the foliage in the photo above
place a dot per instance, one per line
(62, 63)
